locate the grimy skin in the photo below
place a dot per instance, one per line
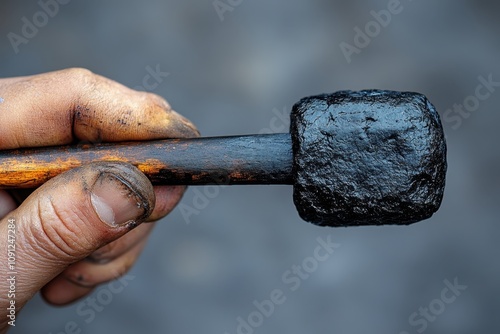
(64, 245)
(367, 158)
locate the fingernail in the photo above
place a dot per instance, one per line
(116, 202)
(185, 127)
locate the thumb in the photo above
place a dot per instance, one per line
(67, 219)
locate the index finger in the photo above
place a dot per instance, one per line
(61, 107)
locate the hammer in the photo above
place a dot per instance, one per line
(371, 157)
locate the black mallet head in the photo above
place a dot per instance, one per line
(354, 158)
(367, 158)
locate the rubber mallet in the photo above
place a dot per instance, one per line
(355, 158)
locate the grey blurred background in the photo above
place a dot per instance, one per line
(235, 76)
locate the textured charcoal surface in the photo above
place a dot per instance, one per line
(367, 158)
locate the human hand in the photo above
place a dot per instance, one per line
(81, 228)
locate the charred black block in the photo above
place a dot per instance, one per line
(367, 158)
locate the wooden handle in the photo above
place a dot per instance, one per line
(255, 159)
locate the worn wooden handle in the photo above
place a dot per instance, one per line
(255, 159)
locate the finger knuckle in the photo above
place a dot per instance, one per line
(104, 254)
(89, 279)
(82, 79)
(58, 233)
(78, 73)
